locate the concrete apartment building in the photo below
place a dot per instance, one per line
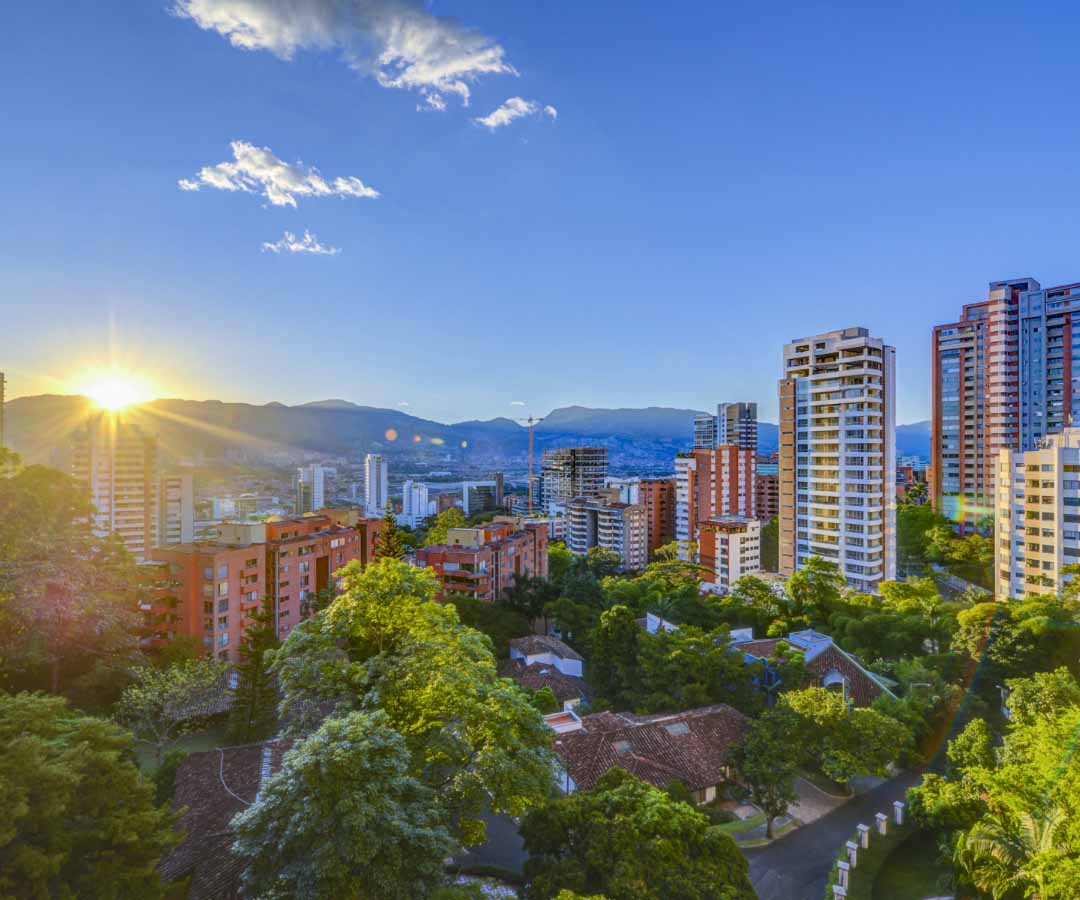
(376, 485)
(482, 496)
(571, 472)
(838, 456)
(711, 484)
(483, 562)
(657, 495)
(1038, 516)
(118, 462)
(603, 521)
(734, 424)
(766, 495)
(176, 508)
(415, 505)
(1003, 378)
(730, 547)
(310, 486)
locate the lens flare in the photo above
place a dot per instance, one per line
(113, 390)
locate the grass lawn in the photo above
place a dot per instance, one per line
(913, 871)
(742, 825)
(209, 739)
(827, 785)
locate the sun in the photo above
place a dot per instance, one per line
(114, 390)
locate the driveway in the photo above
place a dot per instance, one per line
(797, 866)
(503, 847)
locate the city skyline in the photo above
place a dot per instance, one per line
(257, 185)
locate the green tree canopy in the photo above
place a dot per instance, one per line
(389, 542)
(444, 521)
(386, 644)
(344, 818)
(77, 820)
(767, 762)
(630, 841)
(253, 716)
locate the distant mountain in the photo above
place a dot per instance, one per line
(637, 439)
(913, 439)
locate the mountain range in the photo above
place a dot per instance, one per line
(39, 427)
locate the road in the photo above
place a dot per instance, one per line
(797, 866)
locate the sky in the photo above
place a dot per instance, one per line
(471, 209)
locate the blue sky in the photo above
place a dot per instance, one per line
(720, 178)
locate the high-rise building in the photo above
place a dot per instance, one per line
(1038, 516)
(729, 547)
(571, 472)
(734, 424)
(1004, 376)
(310, 487)
(766, 495)
(119, 464)
(710, 484)
(415, 505)
(377, 484)
(176, 508)
(657, 495)
(838, 455)
(480, 497)
(605, 522)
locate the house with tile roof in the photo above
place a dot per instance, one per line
(211, 788)
(832, 667)
(546, 650)
(569, 690)
(693, 747)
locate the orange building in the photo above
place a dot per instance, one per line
(657, 495)
(208, 589)
(483, 562)
(767, 497)
(710, 484)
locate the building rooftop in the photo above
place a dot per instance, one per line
(692, 747)
(541, 643)
(539, 676)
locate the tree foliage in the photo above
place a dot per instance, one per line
(253, 716)
(385, 644)
(444, 521)
(344, 817)
(389, 542)
(767, 765)
(77, 820)
(630, 841)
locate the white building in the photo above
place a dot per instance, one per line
(415, 505)
(602, 522)
(729, 547)
(838, 455)
(1037, 516)
(629, 489)
(377, 486)
(118, 462)
(310, 489)
(176, 509)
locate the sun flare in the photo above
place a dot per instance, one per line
(113, 390)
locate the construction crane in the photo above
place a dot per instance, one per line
(532, 421)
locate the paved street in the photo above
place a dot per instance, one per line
(796, 866)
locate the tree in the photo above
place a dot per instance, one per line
(916, 494)
(767, 762)
(68, 598)
(628, 840)
(972, 748)
(343, 817)
(444, 521)
(388, 542)
(253, 715)
(844, 743)
(1042, 695)
(545, 701)
(614, 666)
(497, 621)
(815, 588)
(164, 704)
(770, 546)
(386, 644)
(76, 817)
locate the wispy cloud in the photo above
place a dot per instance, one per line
(514, 108)
(403, 403)
(256, 170)
(290, 243)
(400, 43)
(517, 402)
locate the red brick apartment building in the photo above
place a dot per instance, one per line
(657, 495)
(209, 589)
(483, 562)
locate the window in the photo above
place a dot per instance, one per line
(223, 589)
(223, 572)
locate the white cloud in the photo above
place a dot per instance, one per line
(398, 42)
(514, 108)
(517, 402)
(432, 102)
(403, 403)
(290, 243)
(256, 170)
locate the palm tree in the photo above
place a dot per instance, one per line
(1001, 856)
(916, 494)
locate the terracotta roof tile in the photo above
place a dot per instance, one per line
(540, 675)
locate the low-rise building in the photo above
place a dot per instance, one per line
(543, 649)
(569, 690)
(692, 747)
(483, 562)
(729, 548)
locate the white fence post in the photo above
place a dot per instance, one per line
(852, 854)
(898, 812)
(864, 835)
(882, 823)
(842, 870)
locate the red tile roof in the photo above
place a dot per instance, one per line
(541, 675)
(541, 643)
(692, 747)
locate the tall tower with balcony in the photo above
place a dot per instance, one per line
(838, 455)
